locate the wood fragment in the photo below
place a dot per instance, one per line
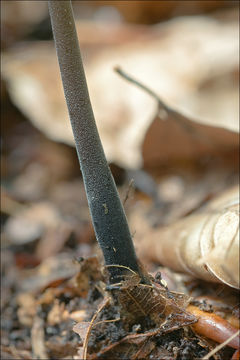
(214, 327)
(37, 337)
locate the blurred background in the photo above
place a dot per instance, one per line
(185, 51)
(25, 19)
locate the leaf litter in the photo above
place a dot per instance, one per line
(56, 307)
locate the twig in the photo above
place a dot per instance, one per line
(162, 107)
(130, 187)
(85, 343)
(106, 321)
(142, 86)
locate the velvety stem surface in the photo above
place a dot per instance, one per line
(108, 216)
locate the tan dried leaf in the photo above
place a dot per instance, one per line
(166, 309)
(81, 329)
(89, 272)
(204, 245)
(191, 63)
(30, 223)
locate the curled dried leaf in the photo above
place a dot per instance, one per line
(204, 245)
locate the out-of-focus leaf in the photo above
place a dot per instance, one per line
(153, 11)
(30, 223)
(191, 63)
(52, 269)
(19, 17)
(89, 271)
(81, 329)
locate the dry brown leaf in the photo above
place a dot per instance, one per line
(81, 329)
(166, 309)
(205, 245)
(88, 273)
(192, 63)
(181, 138)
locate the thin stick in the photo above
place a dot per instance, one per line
(175, 116)
(130, 187)
(142, 86)
(85, 343)
(106, 321)
(122, 267)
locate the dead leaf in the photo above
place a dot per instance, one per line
(204, 48)
(89, 272)
(81, 329)
(204, 245)
(29, 224)
(139, 301)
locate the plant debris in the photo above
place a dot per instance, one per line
(56, 300)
